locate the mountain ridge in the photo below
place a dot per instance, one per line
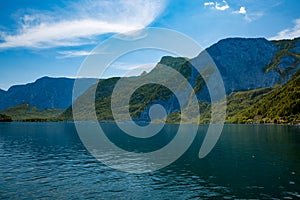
(44, 93)
(253, 65)
(241, 62)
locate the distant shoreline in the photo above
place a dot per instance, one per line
(113, 122)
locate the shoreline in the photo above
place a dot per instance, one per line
(113, 122)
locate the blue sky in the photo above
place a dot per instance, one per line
(52, 37)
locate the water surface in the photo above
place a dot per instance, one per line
(48, 160)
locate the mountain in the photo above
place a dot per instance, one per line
(44, 93)
(278, 104)
(245, 64)
(104, 90)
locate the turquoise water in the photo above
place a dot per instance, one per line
(48, 160)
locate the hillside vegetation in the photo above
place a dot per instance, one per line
(5, 118)
(281, 105)
(25, 112)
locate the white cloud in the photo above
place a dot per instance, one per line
(210, 3)
(218, 6)
(289, 33)
(124, 69)
(80, 23)
(241, 11)
(71, 54)
(222, 7)
(133, 66)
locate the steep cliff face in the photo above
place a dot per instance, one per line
(286, 60)
(241, 63)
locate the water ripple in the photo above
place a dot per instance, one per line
(51, 163)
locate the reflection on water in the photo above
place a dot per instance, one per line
(47, 160)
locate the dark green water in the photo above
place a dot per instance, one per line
(48, 160)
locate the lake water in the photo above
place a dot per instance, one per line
(48, 160)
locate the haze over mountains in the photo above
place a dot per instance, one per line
(245, 65)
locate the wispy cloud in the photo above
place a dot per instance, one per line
(124, 69)
(80, 23)
(133, 66)
(289, 33)
(217, 5)
(71, 54)
(249, 17)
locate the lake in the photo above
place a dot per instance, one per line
(48, 160)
